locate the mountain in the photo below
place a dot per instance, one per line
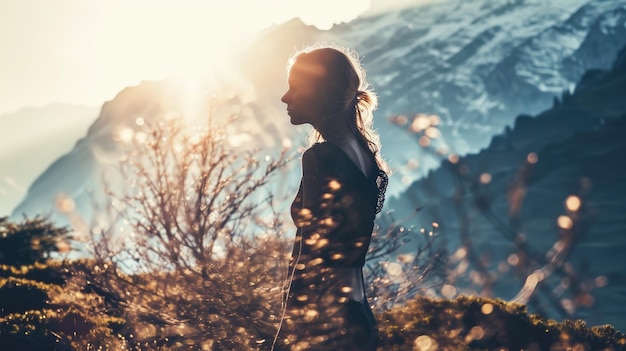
(474, 64)
(81, 174)
(78, 173)
(477, 64)
(507, 203)
(33, 138)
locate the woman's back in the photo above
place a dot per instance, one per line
(334, 209)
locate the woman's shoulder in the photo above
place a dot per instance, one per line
(320, 150)
(323, 157)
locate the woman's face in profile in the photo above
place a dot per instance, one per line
(306, 102)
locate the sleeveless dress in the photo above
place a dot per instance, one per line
(334, 213)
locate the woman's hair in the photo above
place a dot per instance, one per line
(344, 82)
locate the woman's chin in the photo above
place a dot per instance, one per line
(295, 121)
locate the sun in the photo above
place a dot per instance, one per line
(186, 42)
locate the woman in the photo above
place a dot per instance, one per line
(342, 190)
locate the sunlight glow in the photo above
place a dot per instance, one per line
(84, 52)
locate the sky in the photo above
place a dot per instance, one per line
(85, 51)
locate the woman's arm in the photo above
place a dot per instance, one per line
(319, 189)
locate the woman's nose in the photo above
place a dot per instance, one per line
(285, 97)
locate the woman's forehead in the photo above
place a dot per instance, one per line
(307, 70)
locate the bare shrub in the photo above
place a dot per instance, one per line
(193, 257)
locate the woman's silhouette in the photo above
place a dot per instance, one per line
(342, 190)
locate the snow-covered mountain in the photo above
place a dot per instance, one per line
(476, 64)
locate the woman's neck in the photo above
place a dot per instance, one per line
(336, 129)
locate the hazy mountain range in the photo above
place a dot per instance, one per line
(32, 139)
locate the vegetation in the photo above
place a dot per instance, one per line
(85, 305)
(36, 310)
(474, 323)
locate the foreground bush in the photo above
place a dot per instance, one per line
(473, 323)
(89, 305)
(35, 313)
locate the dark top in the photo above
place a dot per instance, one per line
(334, 212)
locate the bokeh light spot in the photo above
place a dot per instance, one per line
(434, 120)
(448, 291)
(406, 258)
(453, 158)
(565, 222)
(400, 120)
(513, 259)
(572, 203)
(487, 308)
(601, 281)
(334, 185)
(124, 135)
(420, 122)
(65, 204)
(432, 132)
(423, 343)
(394, 269)
(485, 178)
(412, 163)
(476, 333)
